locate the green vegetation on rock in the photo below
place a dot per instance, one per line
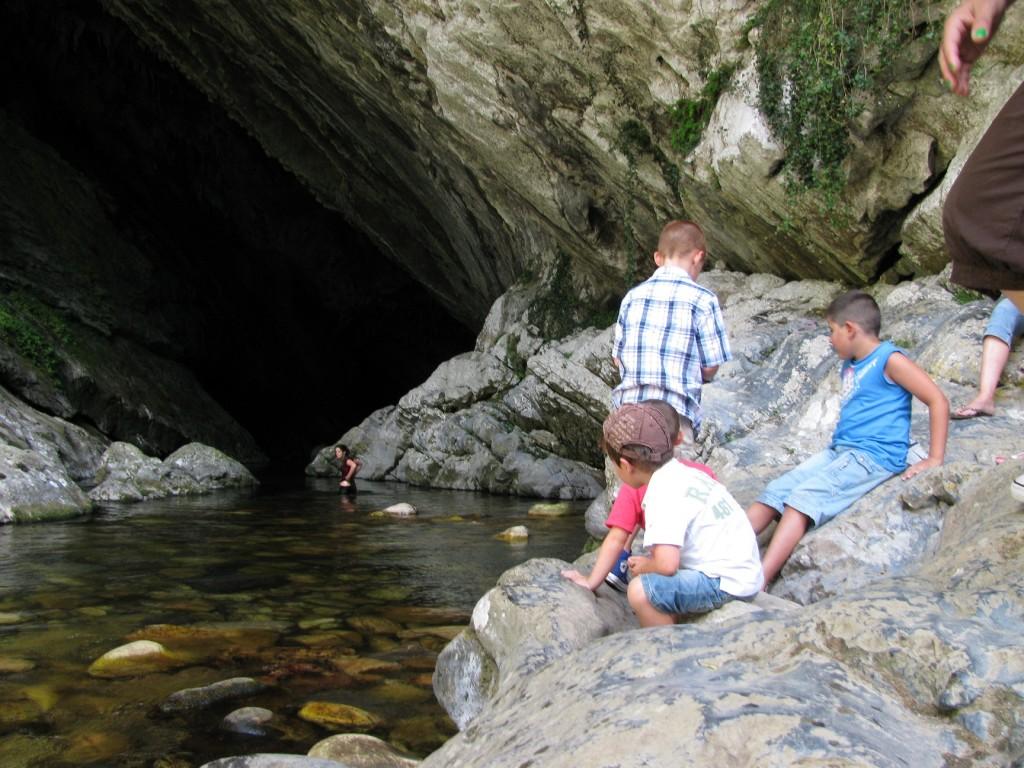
(819, 63)
(690, 116)
(33, 330)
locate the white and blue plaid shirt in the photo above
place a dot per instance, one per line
(668, 329)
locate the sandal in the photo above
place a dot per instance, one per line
(1011, 457)
(966, 412)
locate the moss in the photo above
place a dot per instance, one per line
(34, 330)
(819, 62)
(691, 116)
(42, 513)
(963, 295)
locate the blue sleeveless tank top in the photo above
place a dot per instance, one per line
(875, 412)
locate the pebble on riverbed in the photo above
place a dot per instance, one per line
(248, 721)
(136, 658)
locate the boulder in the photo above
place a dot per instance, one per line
(358, 750)
(58, 441)
(127, 474)
(35, 489)
(917, 668)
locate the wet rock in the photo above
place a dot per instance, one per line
(401, 509)
(7, 618)
(339, 716)
(208, 695)
(248, 721)
(358, 750)
(561, 509)
(136, 658)
(515, 533)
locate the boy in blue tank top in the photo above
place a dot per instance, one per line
(870, 441)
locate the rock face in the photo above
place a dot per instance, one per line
(886, 565)
(474, 141)
(78, 332)
(516, 415)
(920, 668)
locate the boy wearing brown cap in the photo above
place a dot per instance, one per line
(703, 550)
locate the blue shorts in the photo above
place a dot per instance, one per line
(1006, 322)
(683, 592)
(825, 484)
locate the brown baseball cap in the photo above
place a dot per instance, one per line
(638, 424)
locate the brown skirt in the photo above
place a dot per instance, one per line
(983, 216)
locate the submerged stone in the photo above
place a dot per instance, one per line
(136, 658)
(208, 695)
(339, 716)
(248, 721)
(9, 665)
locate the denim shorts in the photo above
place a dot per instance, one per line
(825, 484)
(1006, 322)
(683, 592)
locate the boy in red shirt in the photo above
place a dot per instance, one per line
(627, 517)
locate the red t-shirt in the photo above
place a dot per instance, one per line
(627, 511)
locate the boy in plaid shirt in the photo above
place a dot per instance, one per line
(670, 337)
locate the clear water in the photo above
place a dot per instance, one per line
(288, 586)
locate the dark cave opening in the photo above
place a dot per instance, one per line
(288, 315)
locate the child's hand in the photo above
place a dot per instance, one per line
(638, 564)
(576, 578)
(921, 466)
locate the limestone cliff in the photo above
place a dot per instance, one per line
(475, 142)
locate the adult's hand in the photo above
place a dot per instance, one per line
(965, 36)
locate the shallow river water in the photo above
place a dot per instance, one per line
(300, 589)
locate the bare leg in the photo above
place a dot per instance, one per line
(788, 532)
(760, 516)
(994, 354)
(1017, 297)
(647, 614)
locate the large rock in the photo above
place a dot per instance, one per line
(59, 442)
(917, 669)
(127, 474)
(33, 488)
(539, 137)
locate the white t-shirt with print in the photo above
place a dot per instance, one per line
(685, 508)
